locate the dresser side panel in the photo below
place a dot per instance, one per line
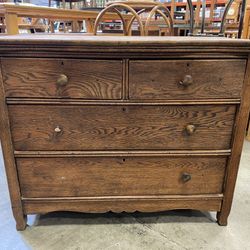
(9, 161)
(237, 144)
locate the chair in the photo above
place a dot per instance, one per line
(137, 9)
(196, 25)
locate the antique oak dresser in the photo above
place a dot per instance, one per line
(97, 124)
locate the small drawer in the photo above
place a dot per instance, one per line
(59, 127)
(186, 79)
(107, 176)
(62, 78)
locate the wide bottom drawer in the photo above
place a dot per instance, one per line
(117, 176)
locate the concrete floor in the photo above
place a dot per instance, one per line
(168, 230)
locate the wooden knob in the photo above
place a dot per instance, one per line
(187, 80)
(186, 177)
(190, 129)
(58, 129)
(62, 80)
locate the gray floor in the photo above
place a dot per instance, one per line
(169, 230)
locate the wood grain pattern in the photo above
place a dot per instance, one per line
(159, 79)
(119, 127)
(119, 205)
(234, 160)
(95, 79)
(9, 162)
(98, 124)
(126, 46)
(41, 177)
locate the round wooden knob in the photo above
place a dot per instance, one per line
(186, 177)
(187, 80)
(62, 80)
(58, 129)
(190, 129)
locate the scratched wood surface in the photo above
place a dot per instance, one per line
(95, 79)
(158, 79)
(120, 127)
(122, 134)
(102, 176)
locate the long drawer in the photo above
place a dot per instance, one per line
(62, 78)
(107, 176)
(58, 127)
(185, 79)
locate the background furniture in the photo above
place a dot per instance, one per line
(197, 18)
(89, 123)
(246, 28)
(213, 12)
(63, 2)
(11, 12)
(136, 9)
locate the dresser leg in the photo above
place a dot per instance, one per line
(21, 222)
(222, 218)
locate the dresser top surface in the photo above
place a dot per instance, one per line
(83, 39)
(80, 45)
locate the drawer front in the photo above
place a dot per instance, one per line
(64, 78)
(97, 176)
(183, 79)
(58, 127)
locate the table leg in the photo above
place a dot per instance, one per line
(51, 26)
(75, 26)
(11, 22)
(89, 25)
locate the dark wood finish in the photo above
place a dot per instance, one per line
(109, 127)
(123, 176)
(91, 149)
(159, 80)
(95, 79)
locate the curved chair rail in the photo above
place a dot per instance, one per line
(115, 7)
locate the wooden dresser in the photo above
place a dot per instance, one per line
(97, 124)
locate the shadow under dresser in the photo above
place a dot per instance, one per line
(97, 124)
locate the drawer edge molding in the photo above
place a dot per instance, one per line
(210, 203)
(137, 197)
(62, 101)
(23, 154)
